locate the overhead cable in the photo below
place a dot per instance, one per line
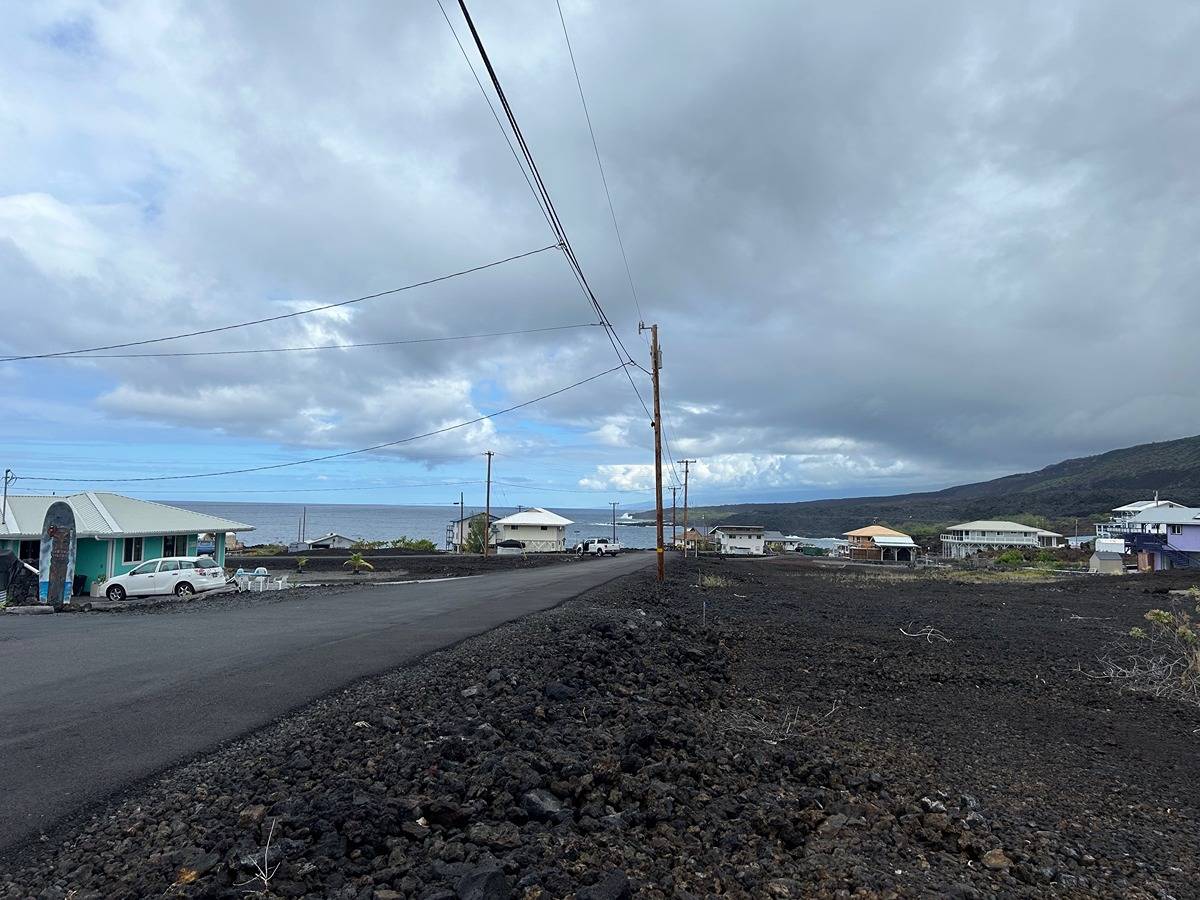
(599, 164)
(430, 340)
(548, 203)
(342, 454)
(281, 316)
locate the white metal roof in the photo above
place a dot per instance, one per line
(534, 516)
(994, 525)
(1139, 505)
(730, 529)
(102, 514)
(1168, 515)
(888, 540)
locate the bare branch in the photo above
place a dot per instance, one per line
(928, 632)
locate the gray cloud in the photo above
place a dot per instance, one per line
(889, 245)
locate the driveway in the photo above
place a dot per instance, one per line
(92, 703)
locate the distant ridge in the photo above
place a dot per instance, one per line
(1087, 488)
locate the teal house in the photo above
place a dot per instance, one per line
(114, 533)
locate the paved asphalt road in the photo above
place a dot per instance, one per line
(91, 703)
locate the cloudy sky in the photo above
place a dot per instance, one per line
(890, 246)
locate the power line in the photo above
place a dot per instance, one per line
(342, 454)
(281, 316)
(496, 116)
(600, 165)
(539, 487)
(330, 490)
(556, 224)
(432, 340)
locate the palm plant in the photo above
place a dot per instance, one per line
(357, 562)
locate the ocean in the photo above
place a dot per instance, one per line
(277, 523)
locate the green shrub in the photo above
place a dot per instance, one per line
(1010, 558)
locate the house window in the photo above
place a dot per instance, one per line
(1176, 529)
(545, 528)
(175, 545)
(133, 550)
(30, 552)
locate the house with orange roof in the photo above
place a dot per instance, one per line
(875, 543)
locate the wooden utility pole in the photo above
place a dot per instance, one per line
(487, 516)
(686, 464)
(655, 367)
(673, 489)
(462, 524)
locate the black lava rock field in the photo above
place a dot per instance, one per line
(783, 731)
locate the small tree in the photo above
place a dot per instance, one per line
(357, 562)
(1010, 558)
(475, 537)
(301, 562)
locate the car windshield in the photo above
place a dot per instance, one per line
(206, 562)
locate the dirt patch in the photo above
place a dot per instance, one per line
(785, 732)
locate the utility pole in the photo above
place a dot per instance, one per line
(655, 367)
(686, 465)
(673, 489)
(613, 504)
(462, 524)
(487, 515)
(9, 478)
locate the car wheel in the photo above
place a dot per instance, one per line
(184, 589)
(600, 553)
(116, 593)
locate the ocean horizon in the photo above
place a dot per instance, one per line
(278, 523)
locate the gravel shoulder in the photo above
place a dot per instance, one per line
(773, 735)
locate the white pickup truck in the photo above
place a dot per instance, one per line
(598, 547)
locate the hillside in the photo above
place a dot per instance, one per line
(1053, 497)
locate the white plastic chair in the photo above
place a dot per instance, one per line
(260, 578)
(281, 583)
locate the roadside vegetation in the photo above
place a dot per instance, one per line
(265, 550)
(401, 543)
(357, 562)
(1161, 658)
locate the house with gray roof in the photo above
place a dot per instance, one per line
(113, 532)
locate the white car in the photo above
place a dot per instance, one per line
(179, 575)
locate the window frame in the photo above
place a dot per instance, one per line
(133, 550)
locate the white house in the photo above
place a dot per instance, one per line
(539, 529)
(971, 537)
(778, 541)
(458, 532)
(740, 540)
(1115, 526)
(331, 541)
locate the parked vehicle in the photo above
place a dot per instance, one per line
(598, 547)
(179, 575)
